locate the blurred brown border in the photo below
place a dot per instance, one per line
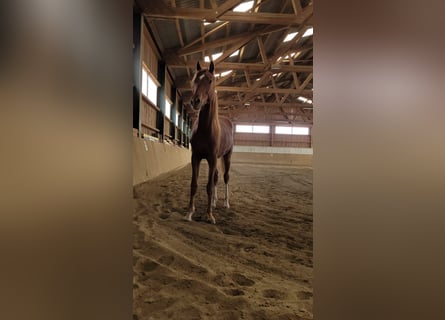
(378, 160)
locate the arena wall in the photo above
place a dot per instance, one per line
(273, 155)
(152, 158)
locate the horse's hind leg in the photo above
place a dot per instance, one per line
(215, 188)
(226, 178)
(193, 186)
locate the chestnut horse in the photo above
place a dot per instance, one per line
(212, 138)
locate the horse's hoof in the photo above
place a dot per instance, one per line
(211, 219)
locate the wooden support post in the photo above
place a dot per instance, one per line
(137, 70)
(272, 135)
(173, 110)
(181, 122)
(161, 99)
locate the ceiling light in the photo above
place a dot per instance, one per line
(308, 32)
(243, 7)
(302, 99)
(290, 36)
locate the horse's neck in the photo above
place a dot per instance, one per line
(208, 117)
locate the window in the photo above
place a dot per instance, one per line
(283, 130)
(243, 129)
(300, 131)
(251, 129)
(168, 107)
(149, 87)
(177, 118)
(260, 129)
(292, 130)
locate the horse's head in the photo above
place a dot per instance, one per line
(203, 86)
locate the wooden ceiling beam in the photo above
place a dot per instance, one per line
(246, 36)
(296, 5)
(160, 10)
(262, 50)
(226, 6)
(173, 61)
(263, 90)
(222, 102)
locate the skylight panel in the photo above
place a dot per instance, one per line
(225, 73)
(243, 7)
(206, 23)
(308, 32)
(290, 36)
(214, 57)
(296, 54)
(235, 53)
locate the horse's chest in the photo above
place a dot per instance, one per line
(204, 143)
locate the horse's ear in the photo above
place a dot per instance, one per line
(198, 66)
(212, 67)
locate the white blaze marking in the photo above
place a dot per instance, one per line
(201, 76)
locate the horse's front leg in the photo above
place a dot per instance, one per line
(211, 188)
(193, 186)
(215, 188)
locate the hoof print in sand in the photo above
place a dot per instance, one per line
(234, 292)
(304, 295)
(164, 216)
(166, 260)
(242, 280)
(274, 294)
(150, 266)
